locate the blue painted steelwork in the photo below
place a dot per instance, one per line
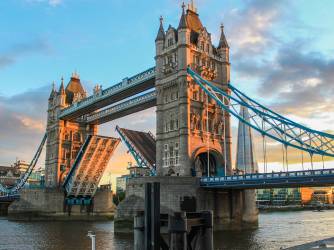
(127, 83)
(138, 101)
(20, 183)
(268, 122)
(68, 183)
(9, 197)
(312, 178)
(78, 201)
(141, 161)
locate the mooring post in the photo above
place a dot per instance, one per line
(156, 216)
(207, 242)
(148, 216)
(92, 236)
(177, 227)
(139, 231)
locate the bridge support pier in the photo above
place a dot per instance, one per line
(49, 204)
(233, 209)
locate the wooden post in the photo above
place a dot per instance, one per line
(139, 231)
(156, 216)
(148, 216)
(207, 242)
(178, 231)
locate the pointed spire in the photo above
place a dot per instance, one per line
(53, 90)
(62, 89)
(222, 42)
(183, 21)
(161, 32)
(246, 159)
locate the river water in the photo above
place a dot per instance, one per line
(277, 229)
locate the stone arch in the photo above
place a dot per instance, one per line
(199, 162)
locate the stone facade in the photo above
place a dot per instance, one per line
(191, 130)
(189, 124)
(64, 138)
(48, 204)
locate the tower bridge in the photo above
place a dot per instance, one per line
(191, 153)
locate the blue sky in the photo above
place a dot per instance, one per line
(281, 54)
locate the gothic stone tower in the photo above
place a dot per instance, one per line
(64, 137)
(189, 124)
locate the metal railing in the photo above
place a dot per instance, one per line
(125, 84)
(122, 106)
(316, 177)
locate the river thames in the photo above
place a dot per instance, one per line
(276, 230)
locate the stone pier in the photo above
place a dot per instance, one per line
(231, 210)
(48, 204)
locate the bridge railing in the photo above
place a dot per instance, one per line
(275, 175)
(122, 106)
(125, 84)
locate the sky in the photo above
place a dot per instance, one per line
(282, 55)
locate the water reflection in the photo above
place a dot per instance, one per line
(276, 230)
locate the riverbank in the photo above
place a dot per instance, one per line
(291, 208)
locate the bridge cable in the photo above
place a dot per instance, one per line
(286, 158)
(302, 153)
(225, 162)
(264, 148)
(311, 155)
(283, 160)
(207, 130)
(302, 159)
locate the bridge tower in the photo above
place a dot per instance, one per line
(191, 127)
(64, 137)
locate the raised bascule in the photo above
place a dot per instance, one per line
(190, 155)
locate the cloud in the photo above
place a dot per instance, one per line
(270, 50)
(250, 27)
(17, 51)
(22, 123)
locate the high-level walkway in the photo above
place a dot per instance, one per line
(127, 88)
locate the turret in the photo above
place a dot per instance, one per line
(160, 39)
(53, 93)
(183, 28)
(61, 94)
(223, 48)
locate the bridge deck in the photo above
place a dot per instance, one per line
(89, 166)
(143, 143)
(311, 178)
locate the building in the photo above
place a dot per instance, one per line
(279, 196)
(322, 194)
(21, 165)
(9, 175)
(134, 171)
(121, 183)
(188, 122)
(65, 138)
